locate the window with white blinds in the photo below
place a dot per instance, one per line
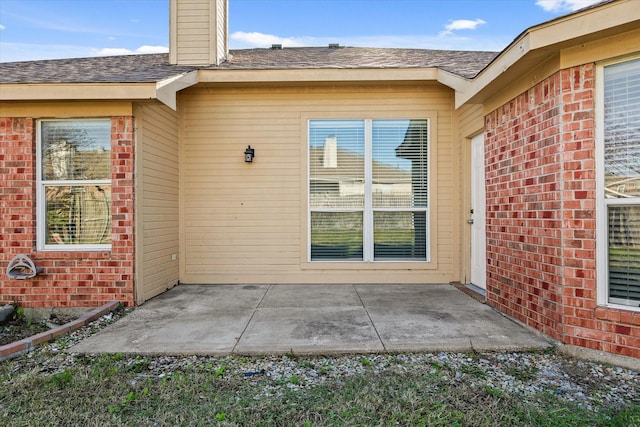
(74, 184)
(622, 180)
(368, 190)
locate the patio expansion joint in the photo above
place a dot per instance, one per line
(255, 310)
(384, 347)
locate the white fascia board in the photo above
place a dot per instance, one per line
(318, 75)
(167, 89)
(457, 83)
(76, 91)
(554, 35)
(591, 21)
(512, 54)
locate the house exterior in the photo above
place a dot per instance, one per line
(124, 176)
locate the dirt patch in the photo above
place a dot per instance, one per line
(18, 329)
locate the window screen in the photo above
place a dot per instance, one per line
(622, 179)
(368, 189)
(75, 182)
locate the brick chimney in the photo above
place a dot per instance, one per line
(198, 32)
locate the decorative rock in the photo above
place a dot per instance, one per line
(6, 312)
(527, 376)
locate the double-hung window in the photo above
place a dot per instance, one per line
(368, 190)
(74, 184)
(620, 181)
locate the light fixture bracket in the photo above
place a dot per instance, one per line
(249, 154)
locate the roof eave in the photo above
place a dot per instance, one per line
(167, 89)
(540, 43)
(76, 91)
(457, 83)
(320, 75)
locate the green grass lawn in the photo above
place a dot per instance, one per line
(117, 390)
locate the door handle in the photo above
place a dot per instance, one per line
(470, 221)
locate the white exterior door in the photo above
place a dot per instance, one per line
(477, 216)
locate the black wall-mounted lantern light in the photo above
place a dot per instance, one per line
(249, 153)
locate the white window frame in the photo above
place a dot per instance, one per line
(602, 203)
(368, 210)
(41, 214)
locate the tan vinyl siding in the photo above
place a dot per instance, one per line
(158, 212)
(193, 32)
(247, 223)
(470, 120)
(198, 33)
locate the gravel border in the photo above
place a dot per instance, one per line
(524, 374)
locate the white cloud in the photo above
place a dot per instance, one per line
(2, 27)
(152, 49)
(11, 52)
(464, 24)
(461, 24)
(564, 5)
(255, 39)
(114, 51)
(422, 41)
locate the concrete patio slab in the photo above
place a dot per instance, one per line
(310, 319)
(183, 320)
(404, 295)
(420, 328)
(312, 296)
(310, 330)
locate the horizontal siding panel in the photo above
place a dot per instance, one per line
(161, 158)
(204, 219)
(159, 199)
(243, 224)
(232, 200)
(158, 254)
(242, 217)
(162, 203)
(267, 204)
(158, 241)
(159, 223)
(194, 38)
(197, 14)
(251, 276)
(193, 51)
(240, 248)
(163, 186)
(252, 188)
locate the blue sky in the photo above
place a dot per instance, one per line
(48, 29)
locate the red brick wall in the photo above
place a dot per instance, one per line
(69, 279)
(524, 219)
(541, 221)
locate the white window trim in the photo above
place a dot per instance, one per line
(602, 203)
(367, 210)
(41, 229)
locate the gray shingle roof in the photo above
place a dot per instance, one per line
(463, 63)
(156, 67)
(107, 69)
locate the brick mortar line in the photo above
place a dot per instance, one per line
(26, 345)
